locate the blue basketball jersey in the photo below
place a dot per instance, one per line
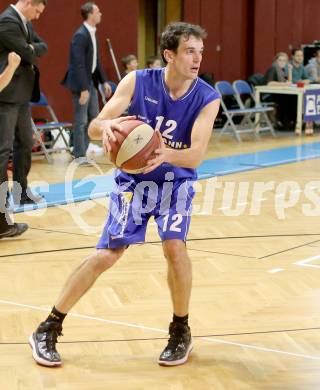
(166, 193)
(174, 118)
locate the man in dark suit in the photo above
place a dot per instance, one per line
(7, 228)
(83, 76)
(16, 34)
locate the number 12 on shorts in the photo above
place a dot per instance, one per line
(175, 221)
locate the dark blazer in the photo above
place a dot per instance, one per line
(13, 37)
(79, 77)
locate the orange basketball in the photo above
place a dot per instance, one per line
(135, 145)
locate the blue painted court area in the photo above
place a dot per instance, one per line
(100, 186)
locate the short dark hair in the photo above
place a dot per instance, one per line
(170, 38)
(87, 9)
(127, 59)
(44, 2)
(151, 60)
(294, 50)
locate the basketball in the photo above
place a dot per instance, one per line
(135, 145)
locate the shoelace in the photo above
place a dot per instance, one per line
(175, 339)
(52, 339)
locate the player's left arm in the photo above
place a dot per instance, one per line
(200, 136)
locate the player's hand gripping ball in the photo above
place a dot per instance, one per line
(135, 145)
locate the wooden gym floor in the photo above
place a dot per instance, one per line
(255, 309)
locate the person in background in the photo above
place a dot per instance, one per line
(153, 62)
(280, 74)
(7, 228)
(129, 63)
(277, 74)
(83, 77)
(313, 68)
(299, 75)
(17, 34)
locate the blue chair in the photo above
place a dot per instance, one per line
(57, 129)
(246, 124)
(242, 88)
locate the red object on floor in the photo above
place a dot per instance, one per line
(10, 167)
(36, 146)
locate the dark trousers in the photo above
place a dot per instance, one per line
(286, 108)
(5, 222)
(15, 134)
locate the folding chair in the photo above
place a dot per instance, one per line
(58, 130)
(242, 88)
(246, 124)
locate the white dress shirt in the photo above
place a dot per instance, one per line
(92, 31)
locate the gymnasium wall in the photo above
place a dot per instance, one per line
(243, 35)
(226, 47)
(281, 25)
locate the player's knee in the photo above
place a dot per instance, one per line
(175, 252)
(105, 258)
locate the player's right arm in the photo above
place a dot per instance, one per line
(108, 120)
(6, 76)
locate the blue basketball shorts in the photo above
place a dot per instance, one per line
(132, 204)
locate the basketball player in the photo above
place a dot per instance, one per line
(182, 108)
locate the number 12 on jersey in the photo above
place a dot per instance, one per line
(171, 125)
(174, 222)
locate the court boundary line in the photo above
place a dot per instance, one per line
(166, 338)
(127, 324)
(61, 231)
(288, 249)
(189, 240)
(207, 251)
